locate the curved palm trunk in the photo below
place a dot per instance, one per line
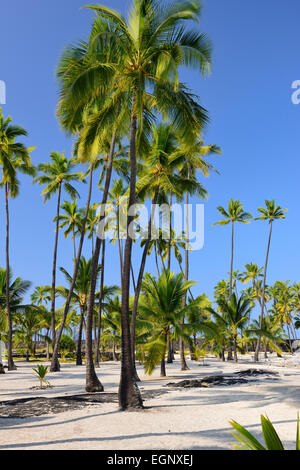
(139, 282)
(256, 355)
(55, 367)
(186, 277)
(129, 394)
(11, 365)
(79, 344)
(97, 356)
(93, 384)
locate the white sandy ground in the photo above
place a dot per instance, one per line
(184, 419)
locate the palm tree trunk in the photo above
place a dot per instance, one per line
(119, 244)
(156, 259)
(163, 361)
(55, 367)
(74, 245)
(97, 356)
(132, 276)
(11, 364)
(48, 348)
(231, 262)
(140, 280)
(129, 394)
(93, 384)
(256, 355)
(79, 344)
(186, 277)
(235, 349)
(229, 355)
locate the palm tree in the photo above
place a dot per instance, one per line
(57, 175)
(133, 58)
(79, 295)
(284, 306)
(28, 324)
(270, 213)
(14, 158)
(196, 317)
(91, 224)
(235, 314)
(71, 220)
(162, 304)
(41, 295)
(158, 175)
(235, 213)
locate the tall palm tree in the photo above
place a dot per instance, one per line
(14, 158)
(234, 214)
(144, 52)
(17, 288)
(70, 220)
(57, 175)
(270, 213)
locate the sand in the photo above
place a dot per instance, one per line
(185, 419)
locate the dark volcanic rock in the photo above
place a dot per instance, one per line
(215, 380)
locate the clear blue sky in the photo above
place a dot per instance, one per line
(255, 61)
